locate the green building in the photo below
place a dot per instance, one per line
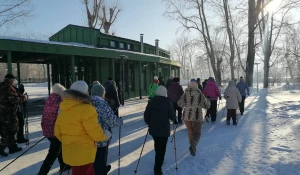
(81, 53)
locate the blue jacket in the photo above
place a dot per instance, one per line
(106, 117)
(242, 87)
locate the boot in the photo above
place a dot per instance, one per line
(2, 152)
(193, 148)
(108, 168)
(14, 149)
(227, 122)
(22, 140)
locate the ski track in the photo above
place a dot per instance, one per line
(264, 142)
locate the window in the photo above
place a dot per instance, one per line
(112, 44)
(129, 47)
(122, 45)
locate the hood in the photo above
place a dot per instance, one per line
(72, 98)
(210, 82)
(190, 91)
(231, 83)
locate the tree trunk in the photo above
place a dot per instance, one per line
(251, 44)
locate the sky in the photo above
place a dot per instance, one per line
(138, 16)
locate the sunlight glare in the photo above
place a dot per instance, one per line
(273, 6)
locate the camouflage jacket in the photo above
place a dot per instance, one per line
(9, 99)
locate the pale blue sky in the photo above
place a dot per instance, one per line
(138, 16)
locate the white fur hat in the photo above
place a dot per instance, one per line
(80, 86)
(155, 78)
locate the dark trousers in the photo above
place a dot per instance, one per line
(53, 153)
(87, 169)
(231, 113)
(179, 109)
(242, 105)
(7, 133)
(213, 110)
(160, 144)
(101, 161)
(20, 133)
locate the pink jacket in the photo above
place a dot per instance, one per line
(50, 114)
(211, 90)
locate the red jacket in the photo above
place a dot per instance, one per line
(212, 91)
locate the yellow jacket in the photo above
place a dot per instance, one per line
(78, 129)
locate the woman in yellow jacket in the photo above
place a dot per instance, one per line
(78, 129)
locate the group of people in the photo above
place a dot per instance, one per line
(77, 122)
(165, 101)
(12, 113)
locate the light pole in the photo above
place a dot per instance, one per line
(257, 74)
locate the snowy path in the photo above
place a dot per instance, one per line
(264, 143)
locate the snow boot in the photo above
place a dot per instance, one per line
(193, 148)
(14, 149)
(2, 152)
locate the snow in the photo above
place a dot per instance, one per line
(264, 143)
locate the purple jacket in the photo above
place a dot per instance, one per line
(50, 114)
(175, 91)
(211, 90)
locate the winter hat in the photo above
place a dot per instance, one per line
(95, 82)
(10, 77)
(161, 91)
(193, 80)
(58, 89)
(98, 89)
(155, 78)
(176, 79)
(156, 81)
(211, 79)
(80, 86)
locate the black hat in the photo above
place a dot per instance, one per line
(176, 79)
(10, 77)
(241, 77)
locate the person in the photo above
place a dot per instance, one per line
(108, 120)
(77, 128)
(204, 83)
(111, 96)
(161, 81)
(199, 84)
(48, 122)
(243, 87)
(212, 91)
(20, 113)
(169, 81)
(175, 91)
(9, 102)
(193, 101)
(108, 81)
(157, 116)
(233, 98)
(152, 88)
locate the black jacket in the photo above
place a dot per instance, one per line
(158, 114)
(111, 96)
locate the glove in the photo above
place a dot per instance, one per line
(220, 98)
(175, 122)
(107, 134)
(208, 97)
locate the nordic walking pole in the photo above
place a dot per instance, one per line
(119, 162)
(141, 153)
(175, 147)
(175, 131)
(22, 154)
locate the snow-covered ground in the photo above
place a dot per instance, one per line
(264, 143)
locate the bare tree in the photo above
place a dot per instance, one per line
(93, 10)
(108, 21)
(14, 11)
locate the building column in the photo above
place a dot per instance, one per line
(98, 69)
(170, 70)
(48, 78)
(19, 74)
(112, 70)
(140, 78)
(9, 63)
(73, 68)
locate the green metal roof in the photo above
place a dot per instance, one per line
(26, 50)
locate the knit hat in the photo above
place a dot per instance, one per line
(10, 77)
(161, 91)
(80, 86)
(95, 82)
(176, 79)
(98, 89)
(155, 78)
(211, 79)
(156, 81)
(193, 80)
